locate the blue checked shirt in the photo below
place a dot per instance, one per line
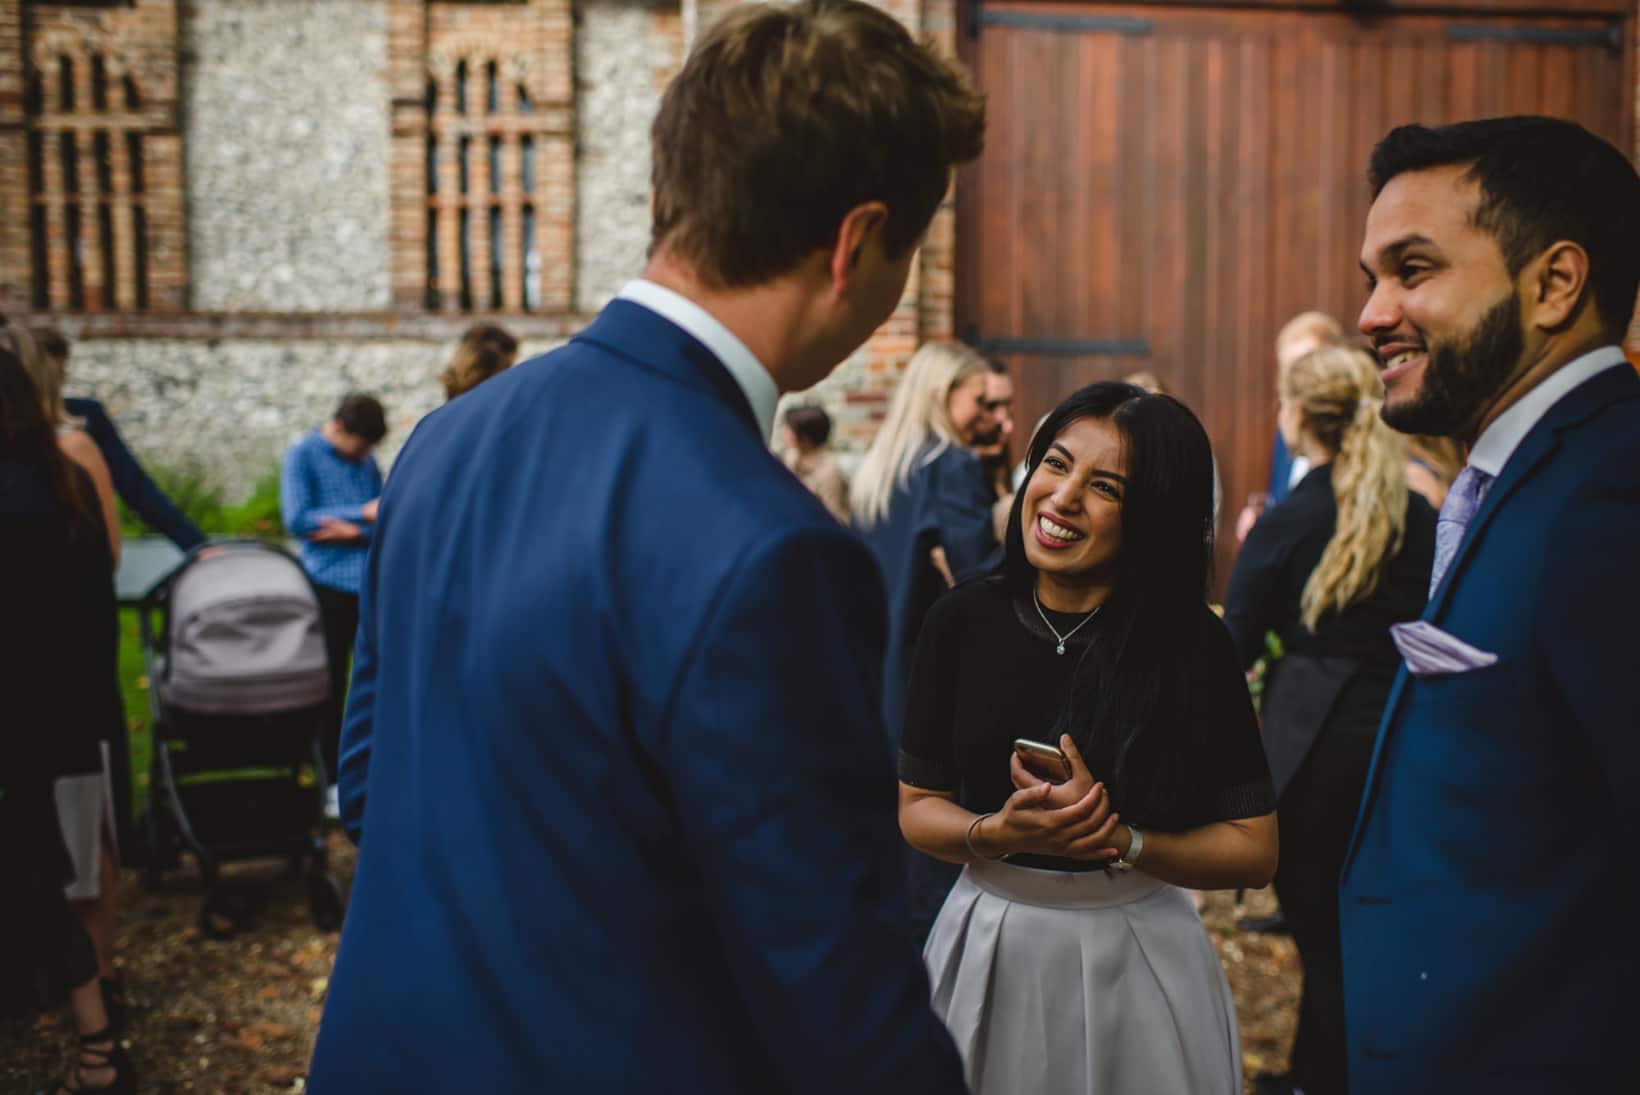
(314, 482)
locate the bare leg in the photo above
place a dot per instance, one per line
(97, 914)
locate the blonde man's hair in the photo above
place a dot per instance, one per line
(916, 414)
(1311, 325)
(1337, 391)
(784, 118)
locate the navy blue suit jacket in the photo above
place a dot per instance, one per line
(131, 483)
(631, 818)
(1488, 898)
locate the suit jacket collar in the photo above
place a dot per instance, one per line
(1575, 408)
(653, 342)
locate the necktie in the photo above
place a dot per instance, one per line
(1461, 503)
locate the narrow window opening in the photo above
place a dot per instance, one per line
(65, 84)
(461, 87)
(69, 153)
(139, 242)
(105, 241)
(495, 165)
(105, 164)
(432, 259)
(432, 165)
(42, 267)
(36, 162)
(463, 156)
(76, 259)
(495, 257)
(432, 96)
(34, 99)
(133, 101)
(526, 149)
(99, 83)
(492, 89)
(133, 154)
(465, 245)
(532, 263)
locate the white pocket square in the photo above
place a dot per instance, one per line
(1431, 652)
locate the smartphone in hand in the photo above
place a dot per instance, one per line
(1047, 761)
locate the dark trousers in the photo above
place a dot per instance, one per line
(1317, 812)
(341, 616)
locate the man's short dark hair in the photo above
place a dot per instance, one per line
(362, 416)
(1542, 180)
(810, 423)
(51, 342)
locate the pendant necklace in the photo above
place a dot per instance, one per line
(1060, 649)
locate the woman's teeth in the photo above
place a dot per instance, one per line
(1055, 531)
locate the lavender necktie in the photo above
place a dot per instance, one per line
(1461, 503)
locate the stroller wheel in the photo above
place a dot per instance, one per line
(325, 901)
(228, 908)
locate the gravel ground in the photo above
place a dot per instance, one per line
(238, 1017)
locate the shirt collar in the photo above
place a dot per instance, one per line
(1497, 444)
(748, 372)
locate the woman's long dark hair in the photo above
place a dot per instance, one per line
(28, 438)
(1130, 679)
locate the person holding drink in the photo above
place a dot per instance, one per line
(1067, 957)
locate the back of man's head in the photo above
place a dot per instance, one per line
(784, 119)
(362, 416)
(1303, 333)
(1542, 180)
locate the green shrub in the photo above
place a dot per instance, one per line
(199, 497)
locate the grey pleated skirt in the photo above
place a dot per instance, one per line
(1055, 983)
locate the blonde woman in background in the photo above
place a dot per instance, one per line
(921, 493)
(1329, 569)
(74, 442)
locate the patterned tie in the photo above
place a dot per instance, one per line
(1461, 503)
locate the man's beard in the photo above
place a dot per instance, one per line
(1461, 379)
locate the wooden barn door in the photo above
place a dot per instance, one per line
(1163, 185)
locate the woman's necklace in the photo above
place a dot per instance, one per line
(1060, 649)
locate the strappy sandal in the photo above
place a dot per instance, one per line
(92, 1059)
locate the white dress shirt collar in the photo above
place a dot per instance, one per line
(1497, 444)
(742, 364)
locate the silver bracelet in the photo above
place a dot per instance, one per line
(968, 839)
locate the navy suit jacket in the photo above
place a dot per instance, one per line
(1488, 897)
(631, 817)
(131, 483)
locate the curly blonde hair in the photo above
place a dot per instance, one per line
(1338, 394)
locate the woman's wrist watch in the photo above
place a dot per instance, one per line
(1136, 845)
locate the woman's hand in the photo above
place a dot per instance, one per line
(1059, 794)
(1028, 823)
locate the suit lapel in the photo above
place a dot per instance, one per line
(1534, 449)
(653, 342)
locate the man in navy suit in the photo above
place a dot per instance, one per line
(613, 745)
(1488, 896)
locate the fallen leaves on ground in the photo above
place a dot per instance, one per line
(239, 1016)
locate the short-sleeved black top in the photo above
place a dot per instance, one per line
(986, 673)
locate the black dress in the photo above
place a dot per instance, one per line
(1322, 704)
(58, 649)
(986, 673)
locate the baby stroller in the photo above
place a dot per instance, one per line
(239, 679)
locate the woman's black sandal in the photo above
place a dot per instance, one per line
(91, 1059)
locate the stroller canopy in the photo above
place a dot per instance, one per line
(245, 635)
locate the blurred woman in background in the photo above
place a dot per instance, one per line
(1328, 570)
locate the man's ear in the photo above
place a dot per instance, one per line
(1559, 286)
(862, 228)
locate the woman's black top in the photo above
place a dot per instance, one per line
(1282, 550)
(986, 673)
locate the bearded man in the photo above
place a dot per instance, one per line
(1487, 894)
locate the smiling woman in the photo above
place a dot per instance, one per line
(1098, 626)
